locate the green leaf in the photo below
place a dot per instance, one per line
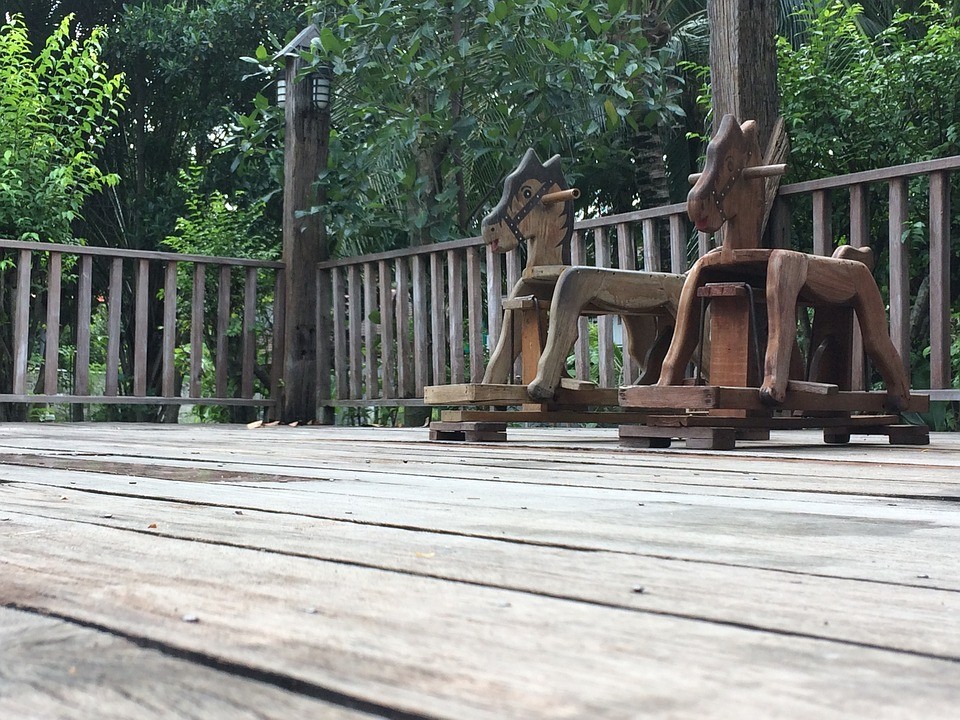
(329, 41)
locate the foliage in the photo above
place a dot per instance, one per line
(55, 110)
(435, 101)
(855, 102)
(186, 79)
(218, 224)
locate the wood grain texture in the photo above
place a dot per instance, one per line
(545, 564)
(50, 668)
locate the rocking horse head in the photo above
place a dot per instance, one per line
(536, 208)
(726, 191)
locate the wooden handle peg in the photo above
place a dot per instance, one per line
(560, 196)
(750, 173)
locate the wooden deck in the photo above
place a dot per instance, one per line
(207, 572)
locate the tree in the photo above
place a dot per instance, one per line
(435, 101)
(57, 105)
(56, 110)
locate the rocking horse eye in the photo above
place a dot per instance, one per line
(527, 193)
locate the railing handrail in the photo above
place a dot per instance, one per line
(136, 254)
(868, 176)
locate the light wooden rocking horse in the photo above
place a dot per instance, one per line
(728, 193)
(537, 209)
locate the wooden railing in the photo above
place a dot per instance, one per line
(199, 330)
(392, 323)
(168, 327)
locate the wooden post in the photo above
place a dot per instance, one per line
(304, 238)
(743, 61)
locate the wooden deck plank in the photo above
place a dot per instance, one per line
(445, 649)
(918, 618)
(50, 668)
(782, 468)
(817, 537)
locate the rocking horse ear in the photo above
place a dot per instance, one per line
(530, 160)
(749, 130)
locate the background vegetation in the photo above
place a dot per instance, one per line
(139, 125)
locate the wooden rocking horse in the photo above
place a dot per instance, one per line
(728, 192)
(536, 209)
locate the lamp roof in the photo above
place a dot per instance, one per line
(302, 40)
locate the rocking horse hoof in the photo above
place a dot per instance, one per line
(768, 396)
(539, 391)
(897, 403)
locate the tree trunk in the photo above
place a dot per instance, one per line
(743, 61)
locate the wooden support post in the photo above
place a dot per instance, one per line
(304, 237)
(732, 350)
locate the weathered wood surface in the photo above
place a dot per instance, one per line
(52, 668)
(554, 577)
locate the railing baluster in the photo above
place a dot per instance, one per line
(339, 333)
(52, 357)
(222, 359)
(581, 349)
(21, 322)
(474, 315)
(354, 300)
(604, 322)
(169, 384)
(112, 382)
(455, 299)
(678, 246)
(859, 237)
(626, 260)
(421, 339)
(141, 321)
(514, 269)
(387, 347)
(370, 334)
(494, 297)
(196, 327)
(651, 246)
(405, 369)
(899, 269)
(438, 319)
(822, 223)
(249, 333)
(940, 280)
(81, 378)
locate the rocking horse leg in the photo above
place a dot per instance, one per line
(648, 339)
(500, 366)
(868, 305)
(786, 275)
(686, 333)
(576, 288)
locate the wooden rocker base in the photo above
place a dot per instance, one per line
(509, 395)
(489, 425)
(469, 431)
(814, 405)
(801, 396)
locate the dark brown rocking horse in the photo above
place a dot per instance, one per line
(537, 209)
(726, 192)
